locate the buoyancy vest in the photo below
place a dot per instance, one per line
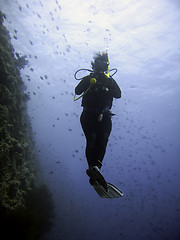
(99, 96)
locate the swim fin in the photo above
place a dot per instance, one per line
(112, 192)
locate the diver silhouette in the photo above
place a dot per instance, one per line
(98, 90)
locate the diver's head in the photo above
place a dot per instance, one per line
(100, 63)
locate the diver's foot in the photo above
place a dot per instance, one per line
(93, 171)
(93, 182)
(95, 175)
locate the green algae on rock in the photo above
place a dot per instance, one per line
(25, 209)
(17, 158)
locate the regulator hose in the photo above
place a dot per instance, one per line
(81, 70)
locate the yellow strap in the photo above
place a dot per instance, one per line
(75, 99)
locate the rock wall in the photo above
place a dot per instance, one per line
(25, 209)
(16, 141)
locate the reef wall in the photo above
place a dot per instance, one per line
(16, 140)
(24, 208)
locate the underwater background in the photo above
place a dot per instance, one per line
(143, 154)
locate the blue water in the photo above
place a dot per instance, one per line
(143, 154)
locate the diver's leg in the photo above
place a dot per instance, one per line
(102, 137)
(88, 125)
(90, 149)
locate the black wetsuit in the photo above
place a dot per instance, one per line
(96, 117)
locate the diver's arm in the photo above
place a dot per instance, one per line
(82, 86)
(116, 91)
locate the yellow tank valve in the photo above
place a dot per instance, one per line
(92, 81)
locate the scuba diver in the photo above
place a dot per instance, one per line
(98, 90)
